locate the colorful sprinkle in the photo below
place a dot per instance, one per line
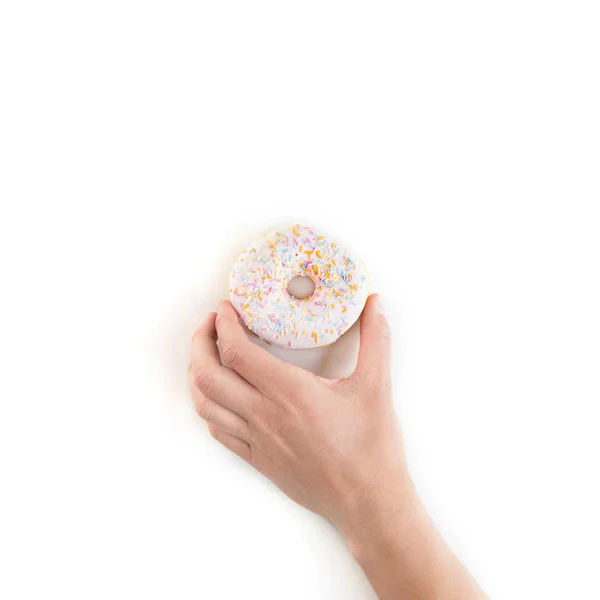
(259, 280)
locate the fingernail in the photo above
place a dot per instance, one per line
(378, 303)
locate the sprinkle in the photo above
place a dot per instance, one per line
(259, 278)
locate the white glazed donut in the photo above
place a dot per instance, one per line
(260, 277)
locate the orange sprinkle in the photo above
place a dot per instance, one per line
(315, 337)
(320, 238)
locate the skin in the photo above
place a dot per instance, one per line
(333, 446)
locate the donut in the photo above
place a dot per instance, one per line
(259, 279)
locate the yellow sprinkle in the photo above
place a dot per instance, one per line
(319, 254)
(315, 337)
(320, 238)
(300, 249)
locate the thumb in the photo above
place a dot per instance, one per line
(374, 357)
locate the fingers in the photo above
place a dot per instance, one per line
(264, 371)
(235, 444)
(216, 414)
(374, 358)
(210, 380)
(204, 343)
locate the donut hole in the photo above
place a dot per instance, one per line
(301, 287)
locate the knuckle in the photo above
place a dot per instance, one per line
(381, 385)
(204, 408)
(203, 382)
(231, 354)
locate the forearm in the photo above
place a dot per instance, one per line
(333, 446)
(400, 550)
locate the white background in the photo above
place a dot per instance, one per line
(454, 145)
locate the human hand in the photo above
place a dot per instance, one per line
(330, 445)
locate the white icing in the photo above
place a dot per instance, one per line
(260, 276)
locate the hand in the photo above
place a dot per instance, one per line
(332, 445)
(327, 444)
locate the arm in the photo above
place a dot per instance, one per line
(333, 446)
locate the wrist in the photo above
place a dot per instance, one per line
(375, 512)
(392, 537)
